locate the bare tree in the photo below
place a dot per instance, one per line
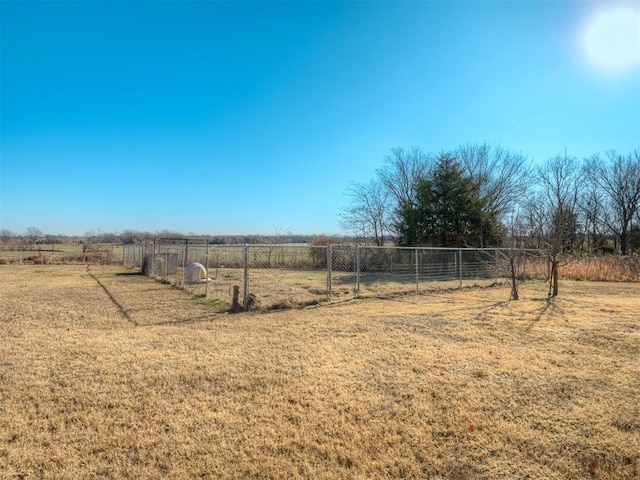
(510, 260)
(369, 213)
(553, 212)
(401, 172)
(504, 176)
(91, 240)
(33, 235)
(280, 236)
(593, 212)
(7, 236)
(618, 178)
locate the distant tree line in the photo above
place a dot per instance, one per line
(33, 238)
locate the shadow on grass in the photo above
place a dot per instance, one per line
(186, 321)
(125, 314)
(548, 305)
(548, 308)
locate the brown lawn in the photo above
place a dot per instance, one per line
(105, 374)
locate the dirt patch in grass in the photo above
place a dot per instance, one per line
(119, 376)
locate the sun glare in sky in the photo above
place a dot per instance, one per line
(611, 39)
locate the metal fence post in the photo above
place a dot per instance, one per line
(357, 285)
(206, 268)
(460, 261)
(329, 269)
(417, 272)
(153, 259)
(166, 263)
(185, 252)
(246, 276)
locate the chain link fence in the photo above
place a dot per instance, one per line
(283, 276)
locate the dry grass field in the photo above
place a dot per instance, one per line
(108, 374)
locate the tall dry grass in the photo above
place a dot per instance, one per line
(599, 269)
(604, 269)
(109, 375)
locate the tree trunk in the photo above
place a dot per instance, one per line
(624, 242)
(554, 278)
(514, 280)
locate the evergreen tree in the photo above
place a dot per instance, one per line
(447, 211)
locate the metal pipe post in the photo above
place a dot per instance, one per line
(357, 286)
(246, 277)
(329, 269)
(460, 261)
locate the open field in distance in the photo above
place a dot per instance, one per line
(109, 374)
(61, 253)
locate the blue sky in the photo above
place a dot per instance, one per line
(253, 117)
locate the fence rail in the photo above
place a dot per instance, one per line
(280, 276)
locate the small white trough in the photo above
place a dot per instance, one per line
(196, 273)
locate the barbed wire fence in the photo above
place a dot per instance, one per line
(283, 276)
